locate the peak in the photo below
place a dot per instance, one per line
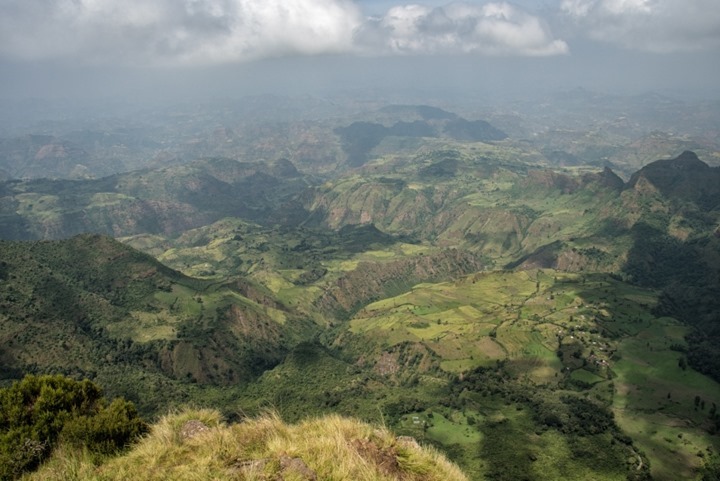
(608, 172)
(685, 176)
(687, 156)
(685, 163)
(284, 168)
(688, 161)
(606, 178)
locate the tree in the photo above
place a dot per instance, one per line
(682, 363)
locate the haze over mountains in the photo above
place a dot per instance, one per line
(315, 133)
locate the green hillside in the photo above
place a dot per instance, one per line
(92, 307)
(466, 364)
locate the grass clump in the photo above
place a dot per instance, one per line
(196, 444)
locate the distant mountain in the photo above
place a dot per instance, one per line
(415, 121)
(473, 131)
(80, 154)
(34, 156)
(359, 138)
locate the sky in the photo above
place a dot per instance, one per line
(145, 48)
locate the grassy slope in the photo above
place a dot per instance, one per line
(329, 447)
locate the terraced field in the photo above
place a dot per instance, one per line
(586, 333)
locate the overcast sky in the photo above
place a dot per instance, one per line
(109, 47)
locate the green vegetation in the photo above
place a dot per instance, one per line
(531, 323)
(38, 413)
(92, 307)
(578, 360)
(198, 445)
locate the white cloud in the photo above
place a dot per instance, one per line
(581, 8)
(222, 31)
(649, 25)
(176, 31)
(492, 29)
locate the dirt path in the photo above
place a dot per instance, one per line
(640, 460)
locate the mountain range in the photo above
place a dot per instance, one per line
(531, 321)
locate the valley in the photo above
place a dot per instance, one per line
(532, 305)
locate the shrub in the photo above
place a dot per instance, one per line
(38, 411)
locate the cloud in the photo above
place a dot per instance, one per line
(175, 31)
(189, 32)
(660, 26)
(491, 29)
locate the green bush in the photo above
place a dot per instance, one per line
(110, 429)
(39, 411)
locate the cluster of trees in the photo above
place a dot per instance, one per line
(589, 425)
(39, 412)
(687, 274)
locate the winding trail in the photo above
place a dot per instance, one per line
(640, 460)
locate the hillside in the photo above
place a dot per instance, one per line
(163, 201)
(92, 307)
(195, 445)
(496, 360)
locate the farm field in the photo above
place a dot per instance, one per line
(587, 334)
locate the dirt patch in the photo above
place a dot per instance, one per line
(491, 349)
(298, 467)
(192, 428)
(387, 364)
(385, 459)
